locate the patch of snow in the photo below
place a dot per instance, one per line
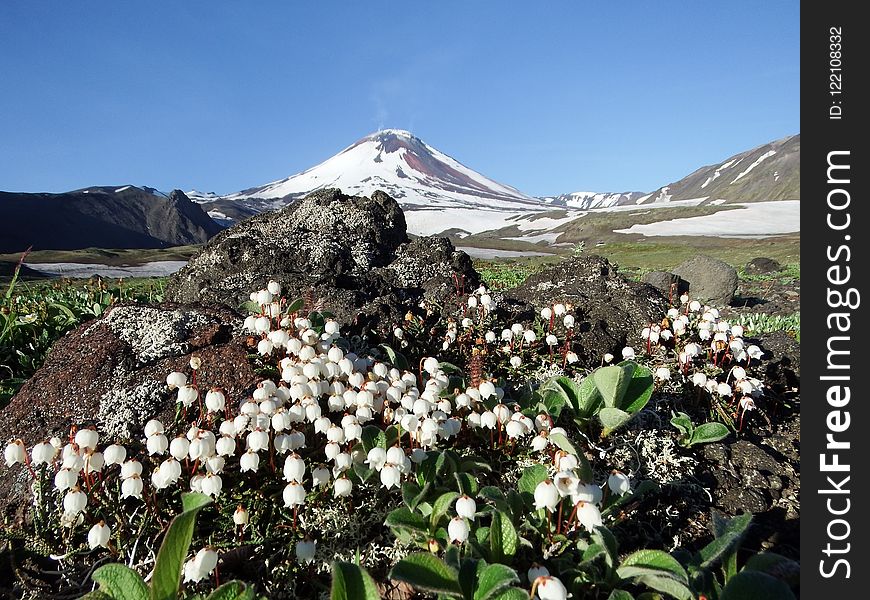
(159, 268)
(642, 199)
(752, 220)
(493, 253)
(544, 223)
(123, 189)
(434, 221)
(718, 201)
(757, 162)
(550, 238)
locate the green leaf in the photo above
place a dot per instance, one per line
(707, 433)
(666, 585)
(466, 483)
(683, 423)
(448, 368)
(427, 573)
(392, 433)
(473, 465)
(729, 533)
(410, 491)
(452, 558)
(558, 392)
(720, 524)
(530, 478)
(232, 590)
(603, 536)
(397, 358)
(512, 594)
(490, 492)
(755, 585)
(120, 582)
(432, 467)
(583, 466)
(362, 471)
(493, 580)
(294, 306)
(639, 390)
(173, 550)
(775, 565)
(612, 382)
(404, 518)
(503, 538)
(441, 506)
(652, 562)
(516, 503)
(193, 501)
(373, 437)
(351, 582)
(620, 595)
(96, 595)
(589, 399)
(612, 419)
(469, 572)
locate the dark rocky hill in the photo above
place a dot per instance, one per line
(103, 217)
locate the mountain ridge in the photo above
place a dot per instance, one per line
(101, 216)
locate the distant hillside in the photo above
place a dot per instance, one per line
(103, 217)
(768, 172)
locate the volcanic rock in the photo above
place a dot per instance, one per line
(350, 254)
(762, 266)
(710, 279)
(112, 373)
(662, 281)
(610, 310)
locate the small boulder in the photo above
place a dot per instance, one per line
(762, 266)
(610, 310)
(662, 281)
(710, 280)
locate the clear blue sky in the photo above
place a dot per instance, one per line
(548, 97)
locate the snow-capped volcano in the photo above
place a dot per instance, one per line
(402, 165)
(424, 180)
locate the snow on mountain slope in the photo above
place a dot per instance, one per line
(768, 172)
(405, 167)
(424, 180)
(588, 200)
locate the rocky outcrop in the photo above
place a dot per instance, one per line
(762, 266)
(710, 280)
(112, 372)
(351, 254)
(610, 310)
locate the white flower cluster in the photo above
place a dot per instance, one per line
(312, 419)
(699, 337)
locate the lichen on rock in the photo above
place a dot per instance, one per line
(152, 333)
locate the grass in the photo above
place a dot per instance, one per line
(758, 323)
(789, 274)
(504, 274)
(33, 315)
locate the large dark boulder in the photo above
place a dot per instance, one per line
(710, 280)
(350, 254)
(112, 372)
(667, 283)
(610, 310)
